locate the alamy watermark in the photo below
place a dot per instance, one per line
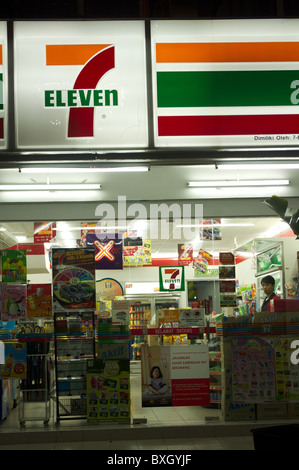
(179, 221)
(295, 354)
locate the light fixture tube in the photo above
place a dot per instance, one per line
(238, 183)
(213, 225)
(48, 187)
(127, 169)
(259, 166)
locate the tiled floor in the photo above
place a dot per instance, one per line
(204, 443)
(152, 429)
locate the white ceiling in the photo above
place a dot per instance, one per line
(160, 183)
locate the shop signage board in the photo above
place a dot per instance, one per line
(80, 84)
(171, 278)
(108, 249)
(192, 317)
(3, 85)
(179, 373)
(225, 82)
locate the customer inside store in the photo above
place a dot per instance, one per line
(268, 285)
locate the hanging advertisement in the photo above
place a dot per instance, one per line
(3, 85)
(108, 249)
(171, 278)
(108, 390)
(14, 266)
(108, 289)
(252, 62)
(175, 375)
(13, 302)
(185, 254)
(15, 365)
(39, 301)
(74, 86)
(73, 275)
(138, 255)
(269, 260)
(44, 232)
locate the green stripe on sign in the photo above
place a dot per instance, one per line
(231, 88)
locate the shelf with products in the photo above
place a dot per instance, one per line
(74, 334)
(215, 372)
(140, 317)
(246, 298)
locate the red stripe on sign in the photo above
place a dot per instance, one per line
(1, 128)
(228, 125)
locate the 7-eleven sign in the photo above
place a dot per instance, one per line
(172, 278)
(80, 85)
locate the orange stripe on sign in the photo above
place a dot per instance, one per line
(228, 52)
(1, 58)
(72, 54)
(170, 271)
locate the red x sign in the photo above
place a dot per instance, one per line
(104, 250)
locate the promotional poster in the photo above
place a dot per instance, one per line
(73, 279)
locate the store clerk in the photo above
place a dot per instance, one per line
(268, 284)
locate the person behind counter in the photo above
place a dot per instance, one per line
(268, 284)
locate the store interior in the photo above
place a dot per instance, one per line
(245, 237)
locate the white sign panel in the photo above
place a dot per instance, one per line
(80, 85)
(3, 85)
(192, 317)
(225, 83)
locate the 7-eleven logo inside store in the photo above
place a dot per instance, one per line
(96, 60)
(172, 278)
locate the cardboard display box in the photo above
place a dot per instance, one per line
(272, 411)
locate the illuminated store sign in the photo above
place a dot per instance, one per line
(225, 83)
(75, 87)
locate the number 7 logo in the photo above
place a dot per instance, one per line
(97, 59)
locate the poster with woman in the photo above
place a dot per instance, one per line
(175, 375)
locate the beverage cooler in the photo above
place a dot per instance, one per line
(144, 313)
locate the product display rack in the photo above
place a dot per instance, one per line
(35, 392)
(215, 378)
(74, 339)
(36, 389)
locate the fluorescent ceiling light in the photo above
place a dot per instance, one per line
(165, 255)
(239, 183)
(259, 166)
(84, 169)
(21, 238)
(89, 227)
(215, 225)
(48, 187)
